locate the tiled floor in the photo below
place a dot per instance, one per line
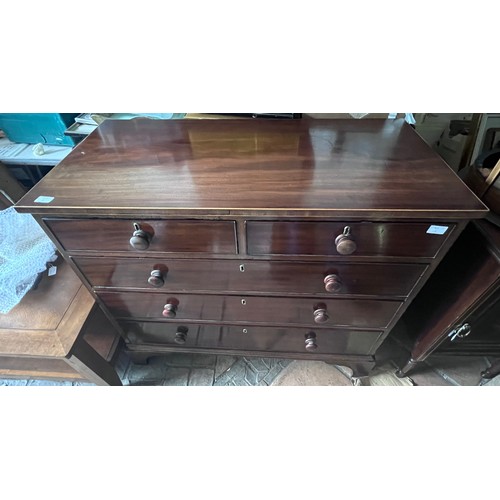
(205, 370)
(178, 369)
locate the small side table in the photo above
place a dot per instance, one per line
(58, 332)
(457, 312)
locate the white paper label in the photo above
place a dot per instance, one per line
(437, 229)
(44, 199)
(52, 270)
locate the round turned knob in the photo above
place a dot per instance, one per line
(156, 279)
(140, 239)
(345, 243)
(310, 342)
(180, 335)
(169, 310)
(321, 316)
(332, 283)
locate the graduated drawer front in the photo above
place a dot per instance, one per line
(175, 236)
(234, 276)
(274, 310)
(373, 239)
(253, 338)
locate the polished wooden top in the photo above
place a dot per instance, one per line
(356, 168)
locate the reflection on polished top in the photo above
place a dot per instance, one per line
(355, 168)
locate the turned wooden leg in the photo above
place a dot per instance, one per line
(403, 372)
(492, 371)
(138, 358)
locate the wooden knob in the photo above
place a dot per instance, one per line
(180, 335)
(140, 239)
(345, 243)
(332, 283)
(169, 310)
(156, 278)
(321, 316)
(310, 342)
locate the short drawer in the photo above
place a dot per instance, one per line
(370, 238)
(253, 338)
(236, 276)
(174, 236)
(355, 313)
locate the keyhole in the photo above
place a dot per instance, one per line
(243, 302)
(242, 268)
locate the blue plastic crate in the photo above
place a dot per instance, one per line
(34, 128)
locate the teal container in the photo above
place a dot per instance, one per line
(34, 128)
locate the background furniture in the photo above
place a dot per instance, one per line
(27, 167)
(300, 239)
(58, 332)
(10, 188)
(458, 310)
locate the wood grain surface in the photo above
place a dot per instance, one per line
(371, 314)
(318, 238)
(254, 338)
(237, 276)
(217, 237)
(344, 167)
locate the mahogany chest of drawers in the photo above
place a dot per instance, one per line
(302, 239)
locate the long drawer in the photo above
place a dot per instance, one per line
(235, 276)
(253, 310)
(398, 239)
(253, 338)
(171, 236)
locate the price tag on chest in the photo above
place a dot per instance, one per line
(437, 229)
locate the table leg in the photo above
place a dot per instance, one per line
(410, 364)
(89, 363)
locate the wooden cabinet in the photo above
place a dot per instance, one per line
(58, 332)
(458, 309)
(284, 238)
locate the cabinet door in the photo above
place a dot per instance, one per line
(481, 329)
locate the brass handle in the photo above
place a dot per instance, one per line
(180, 335)
(311, 344)
(169, 310)
(333, 283)
(320, 314)
(156, 278)
(345, 243)
(460, 332)
(140, 239)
